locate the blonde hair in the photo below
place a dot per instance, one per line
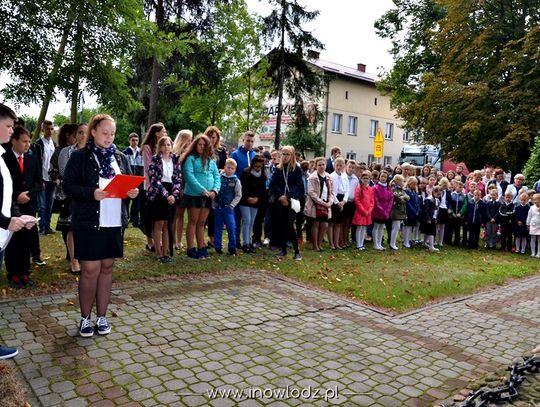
(339, 160)
(412, 181)
(292, 163)
(397, 177)
(182, 140)
(231, 161)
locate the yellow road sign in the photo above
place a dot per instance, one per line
(379, 137)
(378, 145)
(378, 150)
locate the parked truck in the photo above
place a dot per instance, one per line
(422, 154)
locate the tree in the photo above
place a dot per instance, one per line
(305, 133)
(477, 100)
(87, 43)
(175, 20)
(532, 166)
(287, 66)
(232, 90)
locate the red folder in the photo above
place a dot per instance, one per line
(121, 184)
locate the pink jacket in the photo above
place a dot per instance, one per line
(364, 205)
(313, 193)
(384, 199)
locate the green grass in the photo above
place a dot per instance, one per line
(393, 281)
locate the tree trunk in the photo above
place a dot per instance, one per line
(281, 74)
(77, 74)
(156, 71)
(152, 107)
(51, 82)
(249, 102)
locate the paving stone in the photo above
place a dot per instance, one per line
(399, 360)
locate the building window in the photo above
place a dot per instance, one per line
(405, 135)
(387, 160)
(346, 94)
(351, 156)
(353, 121)
(375, 101)
(373, 127)
(370, 159)
(389, 134)
(336, 123)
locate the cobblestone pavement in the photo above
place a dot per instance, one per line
(174, 341)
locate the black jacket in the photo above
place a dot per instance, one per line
(81, 179)
(294, 182)
(29, 181)
(4, 220)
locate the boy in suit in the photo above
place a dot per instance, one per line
(25, 174)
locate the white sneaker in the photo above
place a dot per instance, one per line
(394, 248)
(266, 242)
(433, 249)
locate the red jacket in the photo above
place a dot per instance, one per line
(364, 205)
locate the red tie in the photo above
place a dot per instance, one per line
(21, 163)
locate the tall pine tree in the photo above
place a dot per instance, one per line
(287, 66)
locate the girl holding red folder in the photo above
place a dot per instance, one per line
(96, 220)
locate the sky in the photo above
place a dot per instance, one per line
(345, 27)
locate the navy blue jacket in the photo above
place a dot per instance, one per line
(413, 205)
(294, 181)
(476, 212)
(492, 210)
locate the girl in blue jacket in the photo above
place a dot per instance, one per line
(202, 184)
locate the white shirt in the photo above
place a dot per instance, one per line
(5, 234)
(353, 183)
(341, 185)
(48, 151)
(167, 170)
(110, 209)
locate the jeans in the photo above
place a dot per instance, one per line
(224, 216)
(238, 222)
(45, 202)
(248, 219)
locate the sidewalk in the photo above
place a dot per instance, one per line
(174, 341)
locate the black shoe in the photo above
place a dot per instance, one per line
(210, 244)
(50, 232)
(232, 252)
(27, 281)
(218, 251)
(16, 284)
(39, 262)
(75, 272)
(246, 249)
(150, 249)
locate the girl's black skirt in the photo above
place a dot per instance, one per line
(98, 244)
(337, 214)
(159, 209)
(190, 201)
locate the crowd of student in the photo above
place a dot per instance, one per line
(261, 198)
